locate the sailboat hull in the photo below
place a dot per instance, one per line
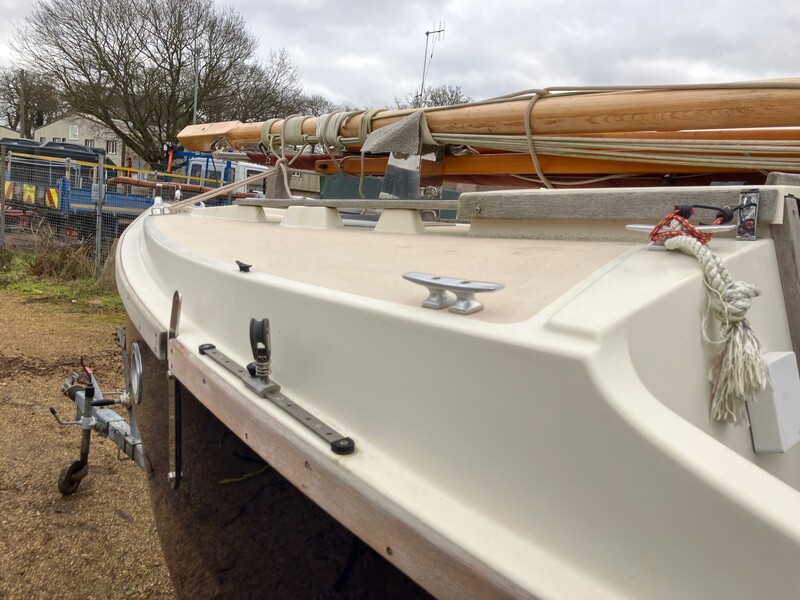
(235, 527)
(555, 444)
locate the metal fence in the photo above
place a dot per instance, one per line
(77, 201)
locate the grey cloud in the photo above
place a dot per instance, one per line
(368, 52)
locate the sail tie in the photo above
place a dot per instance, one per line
(292, 131)
(328, 126)
(269, 140)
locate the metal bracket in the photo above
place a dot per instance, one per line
(174, 405)
(438, 287)
(160, 209)
(270, 390)
(254, 383)
(748, 215)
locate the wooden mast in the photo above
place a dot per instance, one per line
(611, 112)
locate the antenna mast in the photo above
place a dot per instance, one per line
(438, 34)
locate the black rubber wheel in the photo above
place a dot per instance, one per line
(68, 481)
(259, 334)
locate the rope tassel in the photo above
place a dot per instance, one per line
(738, 372)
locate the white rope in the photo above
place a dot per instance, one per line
(365, 124)
(267, 138)
(738, 372)
(328, 126)
(293, 130)
(530, 139)
(748, 154)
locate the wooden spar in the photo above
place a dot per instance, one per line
(521, 164)
(610, 112)
(777, 134)
(509, 163)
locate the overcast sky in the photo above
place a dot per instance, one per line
(369, 52)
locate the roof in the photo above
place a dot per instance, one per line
(8, 132)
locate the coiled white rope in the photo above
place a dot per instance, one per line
(328, 126)
(738, 372)
(293, 131)
(268, 139)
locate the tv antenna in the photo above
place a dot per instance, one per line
(431, 37)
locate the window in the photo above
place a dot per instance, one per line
(88, 142)
(43, 139)
(258, 186)
(111, 146)
(196, 170)
(73, 132)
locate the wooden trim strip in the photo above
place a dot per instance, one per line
(787, 250)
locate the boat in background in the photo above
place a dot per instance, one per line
(512, 404)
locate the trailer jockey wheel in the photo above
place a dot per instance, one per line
(70, 477)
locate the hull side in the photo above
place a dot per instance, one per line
(534, 458)
(235, 527)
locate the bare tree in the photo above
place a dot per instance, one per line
(131, 64)
(256, 91)
(317, 105)
(442, 95)
(41, 99)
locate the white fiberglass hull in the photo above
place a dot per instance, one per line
(554, 445)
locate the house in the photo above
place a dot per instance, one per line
(6, 132)
(81, 129)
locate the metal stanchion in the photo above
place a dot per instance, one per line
(101, 197)
(2, 196)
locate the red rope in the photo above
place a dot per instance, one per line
(663, 231)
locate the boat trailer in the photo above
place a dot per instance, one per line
(93, 413)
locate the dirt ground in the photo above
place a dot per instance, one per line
(101, 541)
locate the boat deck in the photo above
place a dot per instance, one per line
(371, 264)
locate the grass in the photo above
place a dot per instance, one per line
(58, 273)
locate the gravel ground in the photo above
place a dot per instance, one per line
(101, 541)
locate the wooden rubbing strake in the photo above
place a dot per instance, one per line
(787, 251)
(613, 204)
